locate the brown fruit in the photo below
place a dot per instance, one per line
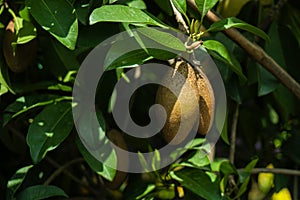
(117, 138)
(206, 103)
(173, 105)
(24, 54)
(183, 102)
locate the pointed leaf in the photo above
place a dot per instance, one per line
(58, 17)
(233, 22)
(121, 13)
(98, 145)
(222, 51)
(205, 5)
(41, 192)
(198, 182)
(180, 5)
(49, 129)
(15, 181)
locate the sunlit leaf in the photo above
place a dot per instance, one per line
(58, 17)
(49, 128)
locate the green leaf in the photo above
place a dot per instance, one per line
(139, 4)
(121, 13)
(198, 182)
(198, 159)
(245, 173)
(98, 145)
(205, 5)
(233, 22)
(180, 5)
(58, 17)
(116, 56)
(4, 75)
(49, 128)
(66, 56)
(37, 192)
(267, 83)
(27, 103)
(3, 89)
(292, 21)
(101, 169)
(221, 50)
(163, 38)
(26, 32)
(15, 181)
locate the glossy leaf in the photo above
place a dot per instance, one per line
(198, 182)
(49, 128)
(15, 181)
(100, 168)
(120, 13)
(233, 22)
(25, 104)
(180, 5)
(98, 145)
(162, 38)
(41, 192)
(57, 17)
(222, 51)
(26, 32)
(205, 5)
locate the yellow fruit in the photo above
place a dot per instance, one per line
(283, 194)
(266, 180)
(183, 107)
(22, 57)
(117, 138)
(255, 193)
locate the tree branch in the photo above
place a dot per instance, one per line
(290, 172)
(257, 54)
(233, 133)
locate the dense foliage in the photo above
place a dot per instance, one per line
(43, 43)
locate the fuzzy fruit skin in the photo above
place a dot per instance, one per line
(25, 54)
(201, 89)
(206, 103)
(174, 105)
(117, 138)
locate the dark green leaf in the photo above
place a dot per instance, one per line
(233, 22)
(198, 182)
(66, 56)
(25, 104)
(4, 76)
(120, 13)
(245, 173)
(26, 32)
(205, 5)
(98, 145)
(40, 192)
(293, 21)
(222, 51)
(15, 181)
(49, 129)
(101, 169)
(267, 83)
(58, 17)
